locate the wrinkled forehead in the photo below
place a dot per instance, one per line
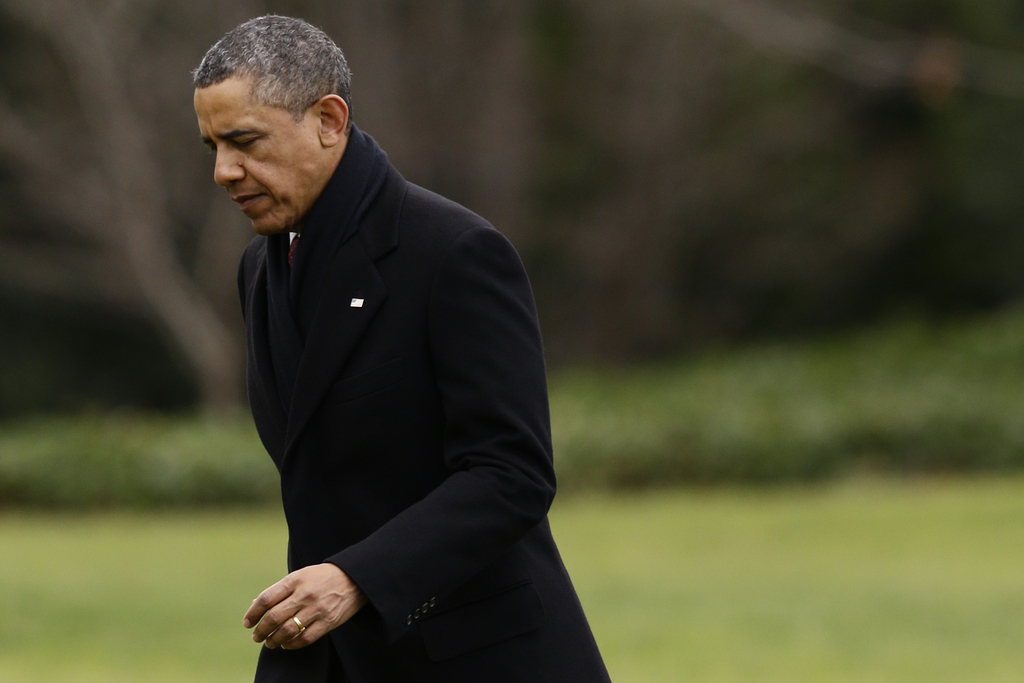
(232, 95)
(229, 105)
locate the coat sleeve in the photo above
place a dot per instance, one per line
(489, 362)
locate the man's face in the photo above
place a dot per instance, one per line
(272, 165)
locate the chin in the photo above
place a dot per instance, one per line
(267, 227)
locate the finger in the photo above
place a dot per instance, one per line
(275, 619)
(266, 601)
(290, 630)
(313, 633)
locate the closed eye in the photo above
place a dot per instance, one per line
(237, 138)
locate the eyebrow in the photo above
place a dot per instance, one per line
(230, 135)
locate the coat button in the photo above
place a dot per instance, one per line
(417, 613)
(425, 607)
(408, 620)
(432, 601)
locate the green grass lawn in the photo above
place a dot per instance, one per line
(864, 581)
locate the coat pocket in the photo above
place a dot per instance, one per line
(381, 377)
(487, 621)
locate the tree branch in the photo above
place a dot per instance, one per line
(933, 63)
(17, 140)
(76, 274)
(140, 232)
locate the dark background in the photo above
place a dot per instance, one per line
(677, 175)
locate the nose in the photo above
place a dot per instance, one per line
(228, 168)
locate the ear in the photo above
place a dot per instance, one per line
(333, 114)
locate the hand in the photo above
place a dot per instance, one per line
(321, 596)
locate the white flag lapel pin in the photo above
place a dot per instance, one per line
(356, 303)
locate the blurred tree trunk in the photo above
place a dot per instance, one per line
(136, 229)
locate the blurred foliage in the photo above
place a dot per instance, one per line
(134, 460)
(907, 398)
(671, 183)
(690, 188)
(61, 357)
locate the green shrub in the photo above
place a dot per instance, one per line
(134, 460)
(907, 398)
(910, 397)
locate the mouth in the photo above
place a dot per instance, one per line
(245, 201)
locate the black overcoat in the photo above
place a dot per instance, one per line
(417, 455)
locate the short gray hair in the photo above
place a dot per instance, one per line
(292, 63)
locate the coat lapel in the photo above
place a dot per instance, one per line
(263, 394)
(337, 326)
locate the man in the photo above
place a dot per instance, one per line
(396, 377)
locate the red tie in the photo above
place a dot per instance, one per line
(291, 250)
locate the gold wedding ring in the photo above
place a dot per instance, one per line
(299, 624)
